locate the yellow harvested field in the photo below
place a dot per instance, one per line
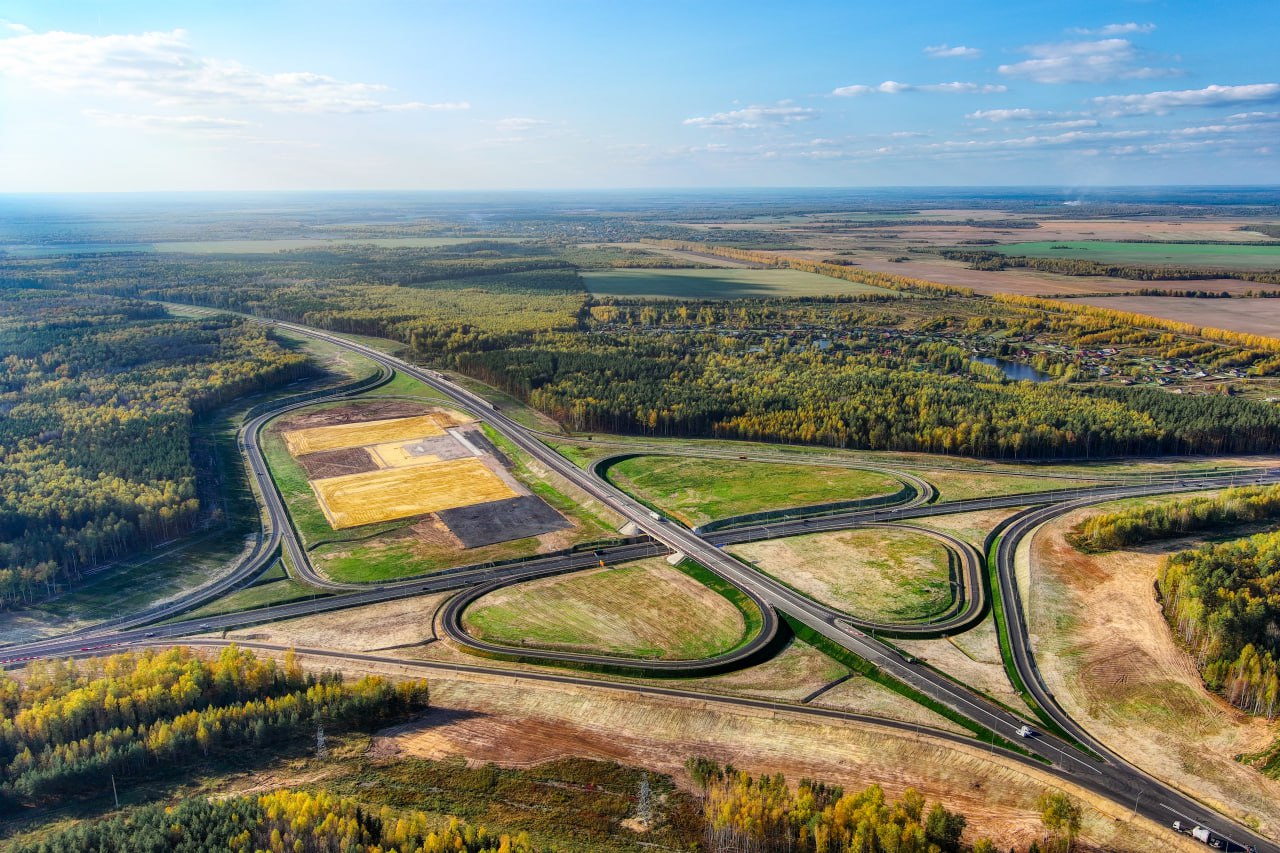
(394, 493)
(396, 455)
(339, 436)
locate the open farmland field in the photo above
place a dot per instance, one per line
(342, 436)
(875, 573)
(645, 609)
(719, 284)
(1244, 315)
(699, 490)
(394, 493)
(1212, 255)
(1028, 282)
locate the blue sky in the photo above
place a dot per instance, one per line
(440, 94)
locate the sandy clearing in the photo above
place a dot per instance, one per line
(1247, 316)
(1108, 655)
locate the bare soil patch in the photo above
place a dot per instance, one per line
(366, 409)
(337, 463)
(1108, 655)
(502, 521)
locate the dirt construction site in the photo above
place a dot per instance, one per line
(365, 471)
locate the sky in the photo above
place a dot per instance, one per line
(546, 94)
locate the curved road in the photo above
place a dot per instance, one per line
(1113, 777)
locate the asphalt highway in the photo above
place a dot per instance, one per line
(1112, 776)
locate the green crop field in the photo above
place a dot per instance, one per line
(699, 490)
(719, 283)
(1221, 255)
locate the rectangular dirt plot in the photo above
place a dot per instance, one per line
(337, 463)
(317, 439)
(394, 493)
(502, 521)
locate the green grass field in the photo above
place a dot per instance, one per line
(699, 490)
(1219, 255)
(642, 610)
(719, 283)
(877, 573)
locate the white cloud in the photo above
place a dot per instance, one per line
(943, 51)
(195, 123)
(1083, 62)
(14, 26)
(1160, 103)
(162, 67)
(1075, 122)
(1130, 28)
(752, 118)
(893, 87)
(519, 124)
(1254, 116)
(1020, 114)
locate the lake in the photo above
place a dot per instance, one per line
(1016, 370)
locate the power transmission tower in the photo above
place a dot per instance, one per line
(322, 749)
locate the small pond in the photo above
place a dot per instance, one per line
(1015, 370)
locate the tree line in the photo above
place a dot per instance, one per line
(1136, 525)
(66, 726)
(279, 822)
(1223, 599)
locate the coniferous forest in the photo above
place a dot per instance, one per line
(99, 396)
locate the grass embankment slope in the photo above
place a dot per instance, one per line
(699, 490)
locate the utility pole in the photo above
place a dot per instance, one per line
(114, 794)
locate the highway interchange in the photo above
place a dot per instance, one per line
(1103, 772)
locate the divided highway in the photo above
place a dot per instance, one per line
(1112, 777)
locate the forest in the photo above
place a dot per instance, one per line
(67, 726)
(99, 397)
(1223, 600)
(883, 371)
(1136, 525)
(746, 813)
(279, 822)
